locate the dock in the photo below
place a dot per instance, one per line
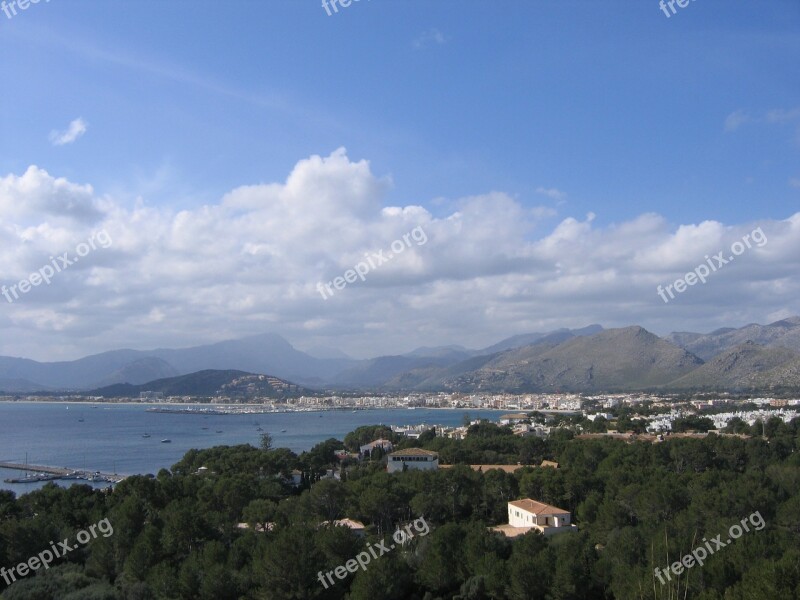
(64, 472)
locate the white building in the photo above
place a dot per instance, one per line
(526, 515)
(385, 445)
(412, 458)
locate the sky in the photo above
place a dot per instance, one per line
(215, 167)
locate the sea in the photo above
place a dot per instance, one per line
(109, 437)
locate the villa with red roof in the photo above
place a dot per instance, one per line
(529, 515)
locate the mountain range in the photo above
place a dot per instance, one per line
(590, 359)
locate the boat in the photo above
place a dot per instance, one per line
(219, 430)
(145, 435)
(166, 441)
(205, 428)
(33, 478)
(260, 429)
(283, 431)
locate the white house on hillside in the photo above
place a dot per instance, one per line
(412, 458)
(381, 443)
(528, 515)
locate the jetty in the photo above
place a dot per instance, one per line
(53, 473)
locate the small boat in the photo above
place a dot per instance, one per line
(283, 431)
(205, 428)
(145, 435)
(80, 420)
(260, 429)
(219, 430)
(33, 478)
(166, 441)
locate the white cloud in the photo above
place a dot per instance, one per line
(37, 196)
(75, 130)
(432, 36)
(553, 193)
(735, 120)
(250, 262)
(775, 116)
(782, 116)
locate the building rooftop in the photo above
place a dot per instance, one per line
(538, 508)
(414, 452)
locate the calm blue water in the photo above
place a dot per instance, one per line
(110, 437)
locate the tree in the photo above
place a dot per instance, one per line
(266, 442)
(329, 498)
(259, 512)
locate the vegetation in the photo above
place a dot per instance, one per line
(638, 506)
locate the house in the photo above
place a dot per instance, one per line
(259, 528)
(512, 418)
(385, 445)
(332, 474)
(357, 527)
(524, 430)
(412, 458)
(549, 463)
(529, 515)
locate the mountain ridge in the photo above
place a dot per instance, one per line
(586, 359)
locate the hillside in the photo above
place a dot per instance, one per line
(746, 366)
(615, 359)
(784, 334)
(236, 384)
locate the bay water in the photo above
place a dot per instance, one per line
(109, 437)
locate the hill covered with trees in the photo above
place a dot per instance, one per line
(638, 506)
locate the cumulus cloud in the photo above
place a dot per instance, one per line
(75, 130)
(36, 196)
(492, 266)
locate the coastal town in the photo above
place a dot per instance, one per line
(528, 414)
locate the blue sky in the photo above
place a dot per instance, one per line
(565, 109)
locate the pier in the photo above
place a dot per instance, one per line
(61, 473)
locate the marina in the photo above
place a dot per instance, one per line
(44, 473)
